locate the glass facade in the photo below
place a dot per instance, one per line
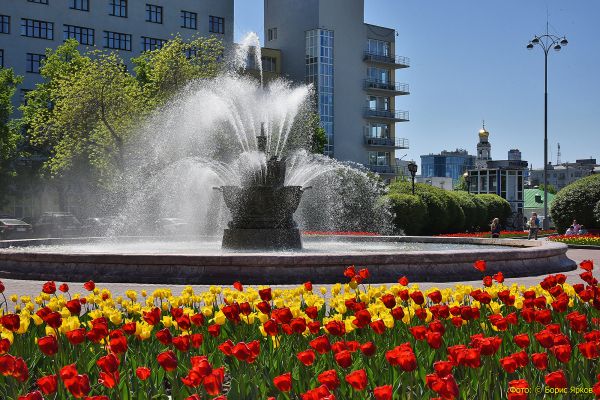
(379, 158)
(508, 184)
(379, 47)
(377, 130)
(448, 166)
(319, 72)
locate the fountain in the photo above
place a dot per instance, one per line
(263, 208)
(211, 136)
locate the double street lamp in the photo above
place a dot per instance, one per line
(412, 168)
(546, 42)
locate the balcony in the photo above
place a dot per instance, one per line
(396, 143)
(388, 88)
(384, 169)
(393, 115)
(387, 60)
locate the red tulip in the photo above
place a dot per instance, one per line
(11, 322)
(368, 348)
(48, 384)
(329, 378)
(35, 395)
(49, 287)
(509, 364)
(517, 389)
(238, 286)
(556, 379)
(336, 328)
(306, 357)
(320, 344)
(357, 379)
(402, 356)
(89, 285)
(388, 300)
(589, 350)
(283, 382)
(587, 265)
(213, 383)
(64, 288)
(142, 373)
(152, 317)
(521, 340)
(214, 330)
(109, 363)
(74, 307)
(378, 327)
(540, 360)
(443, 368)
(562, 352)
(383, 392)
(308, 286)
(108, 380)
(167, 360)
(265, 294)
(343, 358)
(48, 345)
(480, 265)
(182, 343)
(403, 281)
(498, 277)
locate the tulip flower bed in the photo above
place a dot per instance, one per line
(581, 240)
(337, 233)
(355, 341)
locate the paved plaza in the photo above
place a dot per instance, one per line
(32, 288)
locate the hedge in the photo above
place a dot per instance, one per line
(597, 212)
(410, 212)
(497, 207)
(577, 201)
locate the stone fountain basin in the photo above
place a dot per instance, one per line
(515, 258)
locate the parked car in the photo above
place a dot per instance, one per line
(97, 226)
(11, 228)
(57, 224)
(172, 226)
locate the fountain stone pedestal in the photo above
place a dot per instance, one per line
(263, 209)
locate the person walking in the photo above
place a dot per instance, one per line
(495, 227)
(534, 226)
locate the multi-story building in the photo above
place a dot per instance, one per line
(564, 174)
(437, 181)
(270, 64)
(502, 177)
(353, 68)
(29, 27)
(447, 164)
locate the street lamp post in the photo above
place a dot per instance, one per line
(412, 168)
(467, 178)
(546, 42)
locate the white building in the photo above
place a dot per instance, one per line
(564, 174)
(353, 67)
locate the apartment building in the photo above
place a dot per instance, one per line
(564, 174)
(352, 66)
(29, 27)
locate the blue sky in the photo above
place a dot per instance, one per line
(469, 62)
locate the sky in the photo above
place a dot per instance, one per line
(469, 63)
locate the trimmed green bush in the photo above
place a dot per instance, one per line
(497, 207)
(410, 212)
(481, 214)
(456, 213)
(597, 212)
(474, 211)
(577, 201)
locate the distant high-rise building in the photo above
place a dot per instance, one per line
(447, 164)
(352, 66)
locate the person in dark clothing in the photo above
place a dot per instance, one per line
(496, 228)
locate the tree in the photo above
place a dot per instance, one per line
(319, 135)
(551, 188)
(9, 136)
(461, 184)
(597, 212)
(576, 201)
(165, 71)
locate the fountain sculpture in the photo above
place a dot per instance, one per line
(262, 208)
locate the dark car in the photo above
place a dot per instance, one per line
(172, 226)
(57, 224)
(11, 228)
(98, 226)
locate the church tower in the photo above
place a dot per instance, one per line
(484, 149)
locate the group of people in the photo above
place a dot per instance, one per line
(576, 229)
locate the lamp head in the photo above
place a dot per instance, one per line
(412, 168)
(557, 47)
(530, 46)
(564, 42)
(535, 40)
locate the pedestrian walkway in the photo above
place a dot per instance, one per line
(32, 288)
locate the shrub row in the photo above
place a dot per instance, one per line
(433, 211)
(579, 200)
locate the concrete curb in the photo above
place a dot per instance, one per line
(520, 258)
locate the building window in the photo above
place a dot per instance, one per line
(118, 8)
(149, 44)
(379, 131)
(23, 96)
(272, 34)
(379, 47)
(84, 36)
(319, 72)
(34, 62)
(269, 64)
(82, 5)
(1, 58)
(189, 20)
(381, 158)
(37, 29)
(154, 14)
(38, 1)
(216, 24)
(118, 41)
(4, 24)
